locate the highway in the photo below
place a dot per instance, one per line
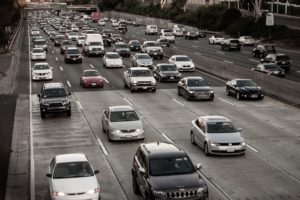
(268, 170)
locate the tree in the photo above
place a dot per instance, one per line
(256, 8)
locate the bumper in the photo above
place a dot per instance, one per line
(143, 87)
(39, 77)
(77, 197)
(155, 54)
(91, 84)
(188, 69)
(38, 58)
(124, 54)
(170, 78)
(201, 96)
(252, 96)
(127, 136)
(285, 67)
(228, 150)
(144, 65)
(60, 109)
(96, 53)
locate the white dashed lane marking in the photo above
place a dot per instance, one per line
(69, 84)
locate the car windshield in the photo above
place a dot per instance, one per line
(135, 42)
(220, 127)
(271, 67)
(171, 166)
(113, 56)
(40, 42)
(218, 36)
(283, 58)
(168, 34)
(196, 83)
(91, 73)
(38, 51)
(67, 43)
(72, 33)
(137, 73)
(121, 46)
(152, 44)
(81, 37)
(54, 92)
(245, 83)
(41, 67)
(95, 44)
(73, 51)
(152, 27)
(123, 116)
(59, 37)
(182, 58)
(146, 56)
(72, 170)
(168, 68)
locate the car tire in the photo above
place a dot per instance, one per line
(103, 129)
(135, 188)
(131, 89)
(238, 96)
(153, 90)
(159, 78)
(192, 138)
(178, 92)
(227, 92)
(69, 113)
(43, 115)
(187, 96)
(206, 151)
(125, 86)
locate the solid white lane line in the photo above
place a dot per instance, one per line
(178, 102)
(227, 61)
(56, 58)
(226, 101)
(198, 53)
(69, 84)
(195, 46)
(102, 146)
(252, 148)
(257, 61)
(125, 99)
(61, 69)
(167, 138)
(105, 80)
(220, 52)
(92, 66)
(32, 167)
(246, 52)
(52, 52)
(79, 105)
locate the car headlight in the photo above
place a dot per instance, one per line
(139, 130)
(134, 82)
(179, 75)
(93, 191)
(162, 75)
(192, 65)
(65, 102)
(214, 144)
(115, 130)
(202, 190)
(59, 194)
(153, 82)
(179, 65)
(211, 92)
(158, 193)
(191, 92)
(46, 103)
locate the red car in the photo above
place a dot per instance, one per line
(91, 78)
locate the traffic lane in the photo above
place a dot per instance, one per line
(164, 115)
(59, 134)
(120, 154)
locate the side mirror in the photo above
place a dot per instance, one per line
(234, 85)
(96, 171)
(39, 95)
(48, 175)
(198, 166)
(142, 170)
(240, 130)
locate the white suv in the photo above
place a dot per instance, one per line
(151, 30)
(139, 78)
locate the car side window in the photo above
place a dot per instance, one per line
(200, 123)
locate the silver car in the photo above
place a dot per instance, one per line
(142, 60)
(217, 135)
(122, 123)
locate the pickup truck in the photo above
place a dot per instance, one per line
(153, 48)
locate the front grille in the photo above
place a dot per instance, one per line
(144, 83)
(74, 194)
(182, 194)
(229, 144)
(41, 74)
(128, 131)
(52, 105)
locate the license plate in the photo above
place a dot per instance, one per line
(254, 95)
(171, 77)
(230, 149)
(144, 88)
(93, 84)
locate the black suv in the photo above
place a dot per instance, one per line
(231, 44)
(163, 171)
(53, 99)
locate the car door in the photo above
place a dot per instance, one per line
(140, 176)
(201, 133)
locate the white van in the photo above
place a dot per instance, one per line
(93, 45)
(151, 30)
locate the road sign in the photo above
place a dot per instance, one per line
(269, 19)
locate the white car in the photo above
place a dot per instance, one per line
(182, 62)
(112, 59)
(71, 174)
(38, 54)
(247, 41)
(80, 40)
(42, 71)
(72, 36)
(122, 123)
(151, 30)
(101, 22)
(178, 32)
(167, 35)
(74, 28)
(215, 39)
(35, 32)
(115, 23)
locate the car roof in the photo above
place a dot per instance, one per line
(194, 77)
(162, 150)
(160, 64)
(90, 70)
(139, 54)
(215, 118)
(41, 63)
(63, 158)
(120, 108)
(120, 43)
(112, 53)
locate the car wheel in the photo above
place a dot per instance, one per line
(178, 92)
(192, 138)
(206, 151)
(238, 96)
(227, 92)
(103, 129)
(159, 78)
(43, 115)
(135, 186)
(69, 113)
(131, 88)
(187, 96)
(154, 90)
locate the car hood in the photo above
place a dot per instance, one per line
(154, 48)
(250, 89)
(42, 71)
(114, 61)
(170, 73)
(145, 61)
(126, 125)
(122, 49)
(225, 137)
(75, 185)
(173, 182)
(183, 62)
(202, 89)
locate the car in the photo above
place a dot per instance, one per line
(121, 29)
(153, 48)
(106, 32)
(142, 60)
(215, 39)
(135, 23)
(191, 35)
(231, 44)
(261, 50)
(247, 41)
(80, 40)
(178, 32)
(167, 36)
(201, 34)
(58, 39)
(122, 123)
(282, 60)
(166, 72)
(151, 30)
(91, 78)
(195, 88)
(162, 170)
(116, 37)
(85, 27)
(122, 49)
(134, 45)
(37, 37)
(217, 135)
(112, 59)
(41, 71)
(74, 28)
(64, 45)
(38, 54)
(101, 22)
(72, 54)
(115, 23)
(72, 36)
(139, 78)
(163, 42)
(72, 174)
(54, 98)
(106, 41)
(244, 89)
(182, 62)
(270, 68)
(40, 43)
(34, 31)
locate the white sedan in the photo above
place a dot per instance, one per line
(80, 40)
(112, 59)
(38, 54)
(42, 71)
(182, 62)
(101, 22)
(215, 39)
(71, 174)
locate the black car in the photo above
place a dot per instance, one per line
(166, 72)
(106, 32)
(72, 54)
(244, 89)
(122, 49)
(164, 42)
(191, 35)
(201, 34)
(65, 44)
(116, 38)
(134, 45)
(280, 59)
(270, 68)
(106, 41)
(121, 29)
(231, 44)
(262, 50)
(54, 99)
(195, 88)
(164, 171)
